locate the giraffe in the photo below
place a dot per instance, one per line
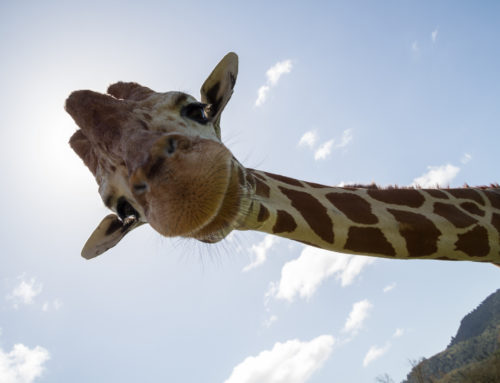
(158, 158)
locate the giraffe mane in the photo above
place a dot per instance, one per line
(416, 187)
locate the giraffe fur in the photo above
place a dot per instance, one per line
(158, 159)
(407, 223)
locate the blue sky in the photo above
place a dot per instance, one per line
(392, 92)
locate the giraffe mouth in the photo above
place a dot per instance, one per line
(189, 186)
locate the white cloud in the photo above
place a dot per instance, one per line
(277, 70)
(56, 304)
(308, 139)
(466, 158)
(434, 35)
(260, 252)
(437, 175)
(290, 362)
(262, 95)
(374, 353)
(25, 292)
(360, 311)
(22, 364)
(273, 75)
(345, 139)
(268, 322)
(323, 151)
(302, 276)
(414, 46)
(354, 267)
(398, 333)
(389, 287)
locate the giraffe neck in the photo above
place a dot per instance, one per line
(449, 224)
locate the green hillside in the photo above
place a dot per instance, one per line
(473, 354)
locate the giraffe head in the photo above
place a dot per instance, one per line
(158, 159)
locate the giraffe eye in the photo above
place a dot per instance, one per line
(196, 112)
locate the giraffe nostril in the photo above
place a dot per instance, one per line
(140, 187)
(171, 146)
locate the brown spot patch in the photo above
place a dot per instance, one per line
(286, 180)
(353, 206)
(313, 212)
(474, 243)
(406, 197)
(472, 208)
(420, 233)
(467, 194)
(263, 213)
(437, 193)
(147, 117)
(261, 189)
(369, 240)
(453, 214)
(494, 197)
(284, 222)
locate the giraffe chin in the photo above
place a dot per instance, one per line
(192, 192)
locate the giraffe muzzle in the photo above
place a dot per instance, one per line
(183, 184)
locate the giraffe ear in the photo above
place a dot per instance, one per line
(218, 88)
(109, 232)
